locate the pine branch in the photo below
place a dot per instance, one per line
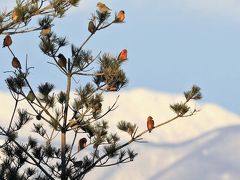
(29, 155)
(28, 84)
(24, 15)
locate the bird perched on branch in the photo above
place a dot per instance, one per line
(31, 97)
(62, 61)
(150, 123)
(82, 144)
(14, 15)
(16, 63)
(102, 7)
(123, 55)
(112, 87)
(46, 30)
(91, 27)
(7, 41)
(73, 124)
(120, 16)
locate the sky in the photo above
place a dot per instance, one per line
(171, 44)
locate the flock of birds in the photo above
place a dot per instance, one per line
(62, 61)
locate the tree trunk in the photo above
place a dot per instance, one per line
(63, 155)
(64, 130)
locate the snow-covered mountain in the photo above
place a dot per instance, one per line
(204, 146)
(211, 156)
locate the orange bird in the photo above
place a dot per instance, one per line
(62, 61)
(16, 63)
(123, 55)
(14, 15)
(120, 16)
(7, 41)
(82, 143)
(150, 123)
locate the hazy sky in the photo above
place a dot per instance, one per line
(172, 45)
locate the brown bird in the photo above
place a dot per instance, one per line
(62, 61)
(103, 8)
(46, 30)
(112, 87)
(82, 144)
(150, 123)
(123, 55)
(91, 27)
(73, 124)
(31, 96)
(120, 16)
(7, 41)
(16, 63)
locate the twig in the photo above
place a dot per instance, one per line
(14, 110)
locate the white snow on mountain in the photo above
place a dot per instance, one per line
(204, 146)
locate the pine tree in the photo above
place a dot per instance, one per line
(78, 112)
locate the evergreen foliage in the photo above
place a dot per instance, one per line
(53, 115)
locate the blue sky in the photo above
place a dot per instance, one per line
(172, 45)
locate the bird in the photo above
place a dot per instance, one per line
(14, 15)
(62, 61)
(112, 87)
(45, 30)
(73, 124)
(96, 107)
(82, 144)
(30, 96)
(120, 16)
(7, 41)
(123, 55)
(150, 123)
(16, 63)
(102, 7)
(91, 27)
